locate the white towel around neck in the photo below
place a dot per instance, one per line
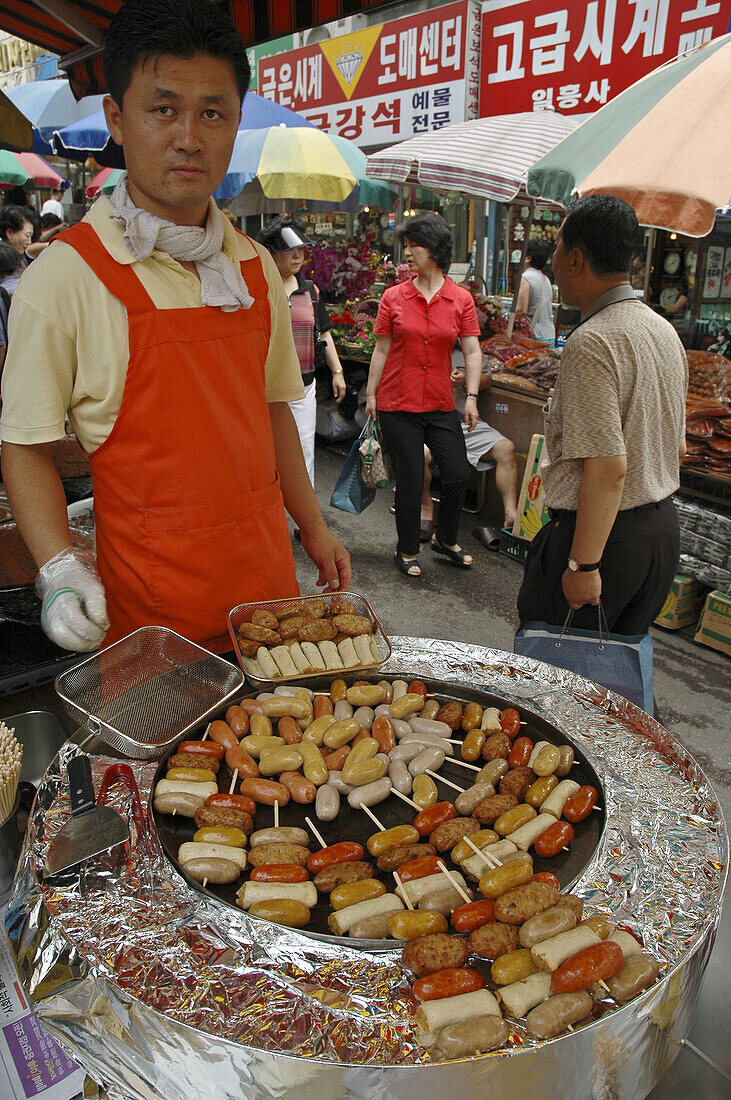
(222, 283)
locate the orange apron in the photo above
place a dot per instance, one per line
(189, 513)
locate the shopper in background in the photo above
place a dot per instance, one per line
(615, 433)
(410, 390)
(54, 204)
(8, 263)
(286, 240)
(16, 229)
(535, 296)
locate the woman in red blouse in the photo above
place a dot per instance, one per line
(410, 388)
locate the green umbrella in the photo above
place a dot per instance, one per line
(12, 173)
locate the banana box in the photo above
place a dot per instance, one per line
(683, 604)
(532, 513)
(714, 628)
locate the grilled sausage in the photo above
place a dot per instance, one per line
(439, 951)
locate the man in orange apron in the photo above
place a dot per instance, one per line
(164, 335)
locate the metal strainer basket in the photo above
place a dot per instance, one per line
(142, 693)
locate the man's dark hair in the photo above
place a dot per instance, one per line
(430, 231)
(538, 252)
(13, 218)
(605, 228)
(8, 259)
(49, 220)
(144, 30)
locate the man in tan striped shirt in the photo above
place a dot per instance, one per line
(615, 431)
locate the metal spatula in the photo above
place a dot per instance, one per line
(91, 830)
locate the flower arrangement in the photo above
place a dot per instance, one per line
(343, 270)
(390, 273)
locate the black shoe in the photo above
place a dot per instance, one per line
(488, 536)
(404, 566)
(456, 557)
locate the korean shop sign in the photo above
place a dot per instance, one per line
(386, 82)
(574, 56)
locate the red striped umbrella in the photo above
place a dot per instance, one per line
(41, 173)
(487, 158)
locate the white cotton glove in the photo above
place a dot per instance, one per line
(74, 611)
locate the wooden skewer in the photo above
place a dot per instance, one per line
(464, 764)
(404, 798)
(203, 884)
(449, 783)
(206, 733)
(276, 816)
(491, 861)
(405, 896)
(232, 788)
(318, 838)
(604, 985)
(374, 819)
(443, 868)
(570, 1028)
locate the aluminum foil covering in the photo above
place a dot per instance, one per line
(160, 991)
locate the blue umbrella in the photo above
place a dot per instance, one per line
(48, 105)
(90, 136)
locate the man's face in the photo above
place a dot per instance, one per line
(177, 124)
(560, 264)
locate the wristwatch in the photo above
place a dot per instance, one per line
(472, 395)
(575, 567)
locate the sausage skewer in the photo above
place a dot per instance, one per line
(404, 893)
(491, 861)
(464, 764)
(448, 782)
(206, 731)
(374, 819)
(317, 836)
(405, 798)
(443, 868)
(232, 788)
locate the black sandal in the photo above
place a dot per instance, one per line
(457, 557)
(405, 567)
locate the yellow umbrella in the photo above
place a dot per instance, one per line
(16, 132)
(288, 162)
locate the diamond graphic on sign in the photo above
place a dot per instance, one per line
(348, 64)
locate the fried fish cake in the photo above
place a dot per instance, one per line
(318, 630)
(353, 625)
(261, 634)
(261, 617)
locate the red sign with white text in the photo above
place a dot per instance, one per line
(378, 84)
(574, 57)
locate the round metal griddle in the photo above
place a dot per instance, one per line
(355, 825)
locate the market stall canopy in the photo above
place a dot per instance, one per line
(90, 136)
(16, 132)
(486, 158)
(12, 172)
(103, 182)
(75, 28)
(289, 163)
(662, 145)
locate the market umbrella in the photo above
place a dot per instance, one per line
(16, 132)
(290, 164)
(103, 182)
(258, 186)
(486, 158)
(662, 145)
(49, 105)
(12, 172)
(41, 173)
(90, 135)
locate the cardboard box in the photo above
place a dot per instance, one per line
(714, 628)
(683, 604)
(532, 513)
